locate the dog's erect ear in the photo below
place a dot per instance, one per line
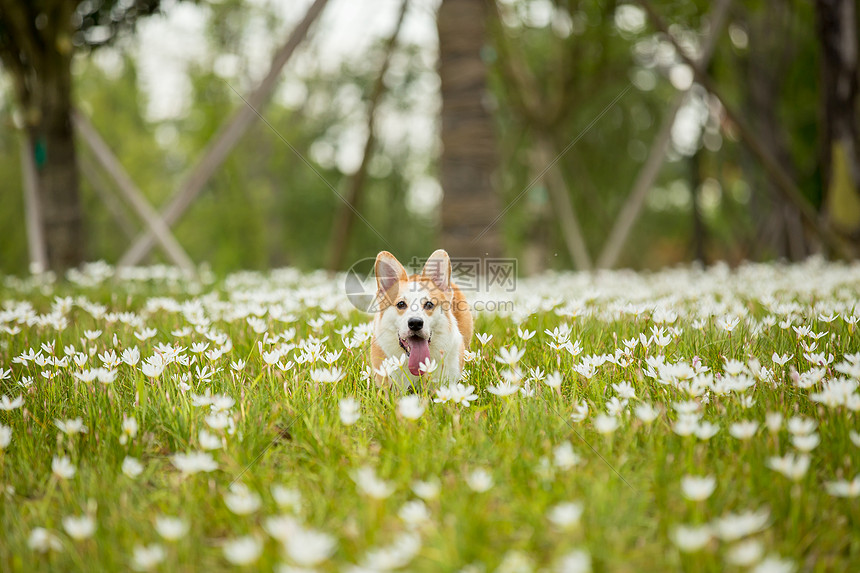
(388, 272)
(438, 269)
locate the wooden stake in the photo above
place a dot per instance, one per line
(106, 196)
(132, 194)
(224, 140)
(560, 195)
(35, 234)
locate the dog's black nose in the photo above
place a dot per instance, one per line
(415, 324)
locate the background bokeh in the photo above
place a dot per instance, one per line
(159, 90)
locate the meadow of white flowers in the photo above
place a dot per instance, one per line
(688, 419)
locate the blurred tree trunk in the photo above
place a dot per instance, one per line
(779, 225)
(36, 49)
(696, 211)
(837, 34)
(470, 205)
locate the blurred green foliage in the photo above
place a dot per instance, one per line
(265, 207)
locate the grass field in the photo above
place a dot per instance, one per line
(700, 420)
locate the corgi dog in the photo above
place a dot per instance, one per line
(420, 319)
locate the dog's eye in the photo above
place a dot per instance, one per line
(428, 305)
(401, 305)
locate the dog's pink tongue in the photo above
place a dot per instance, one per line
(419, 351)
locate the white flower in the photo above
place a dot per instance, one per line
(773, 421)
(145, 333)
(272, 357)
(7, 403)
(746, 553)
(63, 467)
(806, 443)
(428, 366)
(605, 424)
(327, 375)
(774, 565)
(510, 356)
(243, 551)
(483, 338)
(131, 356)
(105, 376)
(791, 466)
(728, 323)
(553, 380)
(287, 498)
(525, 334)
(171, 528)
(79, 527)
(564, 457)
(800, 426)
(199, 347)
(414, 513)
(218, 420)
(854, 437)
(129, 429)
(743, 430)
(241, 500)
(192, 462)
(146, 557)
(458, 394)
(152, 369)
(616, 407)
(479, 480)
(397, 555)
(691, 538)
(503, 389)
(844, 488)
(624, 390)
(368, 483)
(131, 467)
(733, 526)
(781, 359)
(71, 427)
(309, 548)
(706, 430)
(697, 488)
(221, 403)
(516, 561)
(43, 540)
(5, 436)
(646, 412)
(580, 411)
(209, 441)
(576, 561)
(281, 527)
(410, 407)
(426, 490)
(565, 515)
(349, 411)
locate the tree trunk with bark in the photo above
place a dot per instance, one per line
(470, 206)
(36, 48)
(837, 33)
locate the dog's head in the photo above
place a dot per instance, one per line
(414, 306)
